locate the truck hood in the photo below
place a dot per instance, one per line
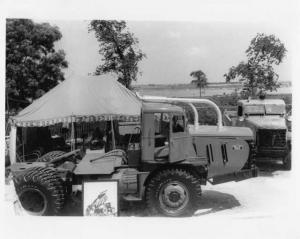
(270, 122)
(225, 131)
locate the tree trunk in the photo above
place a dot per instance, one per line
(7, 103)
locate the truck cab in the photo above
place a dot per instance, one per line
(168, 138)
(164, 133)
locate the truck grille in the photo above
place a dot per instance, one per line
(271, 138)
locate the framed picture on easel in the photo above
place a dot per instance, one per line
(100, 198)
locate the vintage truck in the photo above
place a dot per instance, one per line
(267, 119)
(165, 164)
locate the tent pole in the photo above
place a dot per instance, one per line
(72, 135)
(75, 135)
(113, 133)
(13, 144)
(23, 145)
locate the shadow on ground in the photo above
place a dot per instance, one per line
(211, 202)
(214, 201)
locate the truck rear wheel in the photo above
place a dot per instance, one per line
(40, 191)
(173, 193)
(50, 155)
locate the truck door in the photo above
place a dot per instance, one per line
(148, 137)
(179, 139)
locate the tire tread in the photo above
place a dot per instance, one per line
(49, 181)
(171, 173)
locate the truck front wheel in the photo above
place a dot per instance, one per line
(173, 193)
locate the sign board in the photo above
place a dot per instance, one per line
(100, 198)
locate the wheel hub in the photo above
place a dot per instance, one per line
(173, 197)
(33, 201)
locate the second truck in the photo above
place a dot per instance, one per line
(267, 119)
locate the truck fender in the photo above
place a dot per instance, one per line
(199, 172)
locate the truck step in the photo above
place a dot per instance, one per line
(132, 198)
(237, 176)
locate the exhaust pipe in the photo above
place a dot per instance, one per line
(188, 101)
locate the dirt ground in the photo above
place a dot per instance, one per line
(264, 196)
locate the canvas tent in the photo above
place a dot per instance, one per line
(80, 99)
(88, 98)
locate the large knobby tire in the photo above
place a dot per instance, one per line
(40, 191)
(173, 193)
(287, 162)
(50, 155)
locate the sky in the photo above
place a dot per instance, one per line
(173, 48)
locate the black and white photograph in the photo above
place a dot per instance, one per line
(124, 116)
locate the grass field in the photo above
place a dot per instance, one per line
(189, 90)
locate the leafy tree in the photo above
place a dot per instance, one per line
(32, 65)
(257, 74)
(119, 49)
(200, 79)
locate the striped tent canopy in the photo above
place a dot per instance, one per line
(82, 99)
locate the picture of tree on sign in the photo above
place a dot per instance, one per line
(257, 74)
(100, 198)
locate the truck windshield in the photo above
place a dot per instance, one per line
(275, 109)
(254, 110)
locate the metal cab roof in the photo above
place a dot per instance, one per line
(261, 102)
(161, 108)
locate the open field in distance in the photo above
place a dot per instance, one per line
(189, 90)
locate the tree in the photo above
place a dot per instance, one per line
(200, 79)
(33, 66)
(257, 74)
(119, 49)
